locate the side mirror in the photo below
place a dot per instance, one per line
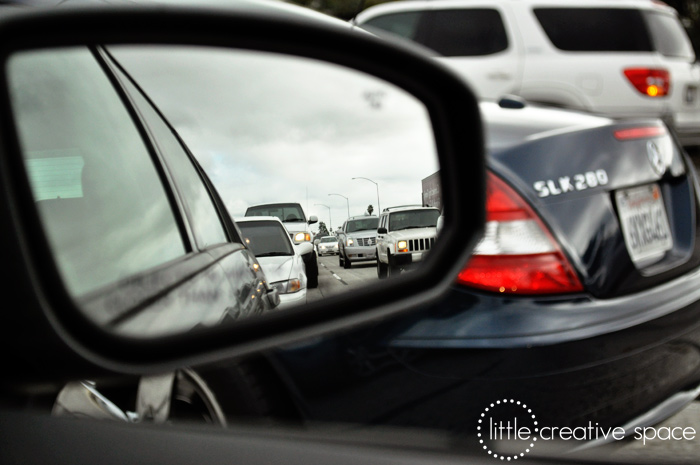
(381, 231)
(118, 258)
(304, 248)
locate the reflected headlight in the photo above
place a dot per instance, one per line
(349, 241)
(287, 287)
(402, 246)
(302, 237)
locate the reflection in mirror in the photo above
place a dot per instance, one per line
(313, 159)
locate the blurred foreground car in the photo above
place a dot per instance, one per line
(280, 259)
(619, 58)
(582, 300)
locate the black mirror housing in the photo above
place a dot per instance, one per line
(47, 326)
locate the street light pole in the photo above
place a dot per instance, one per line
(330, 218)
(379, 208)
(346, 200)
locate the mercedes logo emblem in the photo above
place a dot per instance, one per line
(655, 158)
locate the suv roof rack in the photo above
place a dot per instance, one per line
(388, 209)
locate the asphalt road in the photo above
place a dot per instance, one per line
(334, 279)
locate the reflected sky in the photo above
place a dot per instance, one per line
(269, 128)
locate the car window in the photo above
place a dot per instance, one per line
(329, 239)
(595, 29)
(669, 36)
(413, 219)
(467, 32)
(103, 206)
(266, 238)
(362, 225)
(401, 24)
(204, 218)
(463, 32)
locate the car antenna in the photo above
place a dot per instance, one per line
(360, 7)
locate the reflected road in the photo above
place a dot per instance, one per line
(334, 279)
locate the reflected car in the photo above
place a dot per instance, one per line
(581, 300)
(357, 240)
(281, 260)
(327, 245)
(404, 236)
(293, 218)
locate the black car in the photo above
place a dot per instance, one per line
(582, 300)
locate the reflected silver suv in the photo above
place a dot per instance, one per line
(357, 240)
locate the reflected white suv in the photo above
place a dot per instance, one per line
(404, 235)
(619, 58)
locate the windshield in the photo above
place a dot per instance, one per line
(413, 219)
(329, 239)
(368, 224)
(287, 213)
(266, 238)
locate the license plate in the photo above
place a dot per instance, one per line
(644, 223)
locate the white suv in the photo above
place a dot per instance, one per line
(620, 58)
(404, 235)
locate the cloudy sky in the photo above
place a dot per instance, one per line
(269, 128)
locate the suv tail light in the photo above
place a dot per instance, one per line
(652, 82)
(517, 254)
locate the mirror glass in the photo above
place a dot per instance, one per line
(307, 156)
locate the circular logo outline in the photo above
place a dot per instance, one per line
(481, 439)
(655, 158)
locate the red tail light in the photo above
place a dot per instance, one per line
(650, 81)
(517, 255)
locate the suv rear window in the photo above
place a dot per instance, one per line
(463, 32)
(367, 224)
(595, 29)
(287, 212)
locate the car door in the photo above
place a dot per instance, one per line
(213, 230)
(125, 239)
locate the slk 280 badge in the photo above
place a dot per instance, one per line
(577, 182)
